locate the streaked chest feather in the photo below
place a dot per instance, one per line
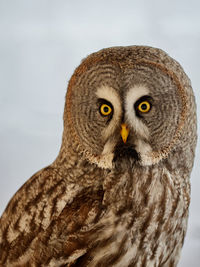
(147, 228)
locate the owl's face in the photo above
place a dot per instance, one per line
(128, 114)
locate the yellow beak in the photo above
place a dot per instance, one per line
(124, 132)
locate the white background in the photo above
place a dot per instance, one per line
(41, 43)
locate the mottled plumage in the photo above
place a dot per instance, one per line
(118, 193)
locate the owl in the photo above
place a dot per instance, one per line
(118, 192)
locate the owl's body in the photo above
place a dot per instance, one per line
(119, 191)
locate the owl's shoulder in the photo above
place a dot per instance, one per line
(46, 213)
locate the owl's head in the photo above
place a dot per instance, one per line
(130, 105)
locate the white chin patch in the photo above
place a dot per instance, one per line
(142, 147)
(107, 155)
(150, 159)
(103, 161)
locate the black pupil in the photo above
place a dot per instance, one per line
(144, 106)
(105, 109)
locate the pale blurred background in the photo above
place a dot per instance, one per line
(41, 43)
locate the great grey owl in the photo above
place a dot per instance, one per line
(118, 193)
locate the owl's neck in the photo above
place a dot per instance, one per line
(138, 182)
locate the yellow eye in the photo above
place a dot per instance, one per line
(144, 106)
(105, 109)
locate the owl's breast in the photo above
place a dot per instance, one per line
(145, 222)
